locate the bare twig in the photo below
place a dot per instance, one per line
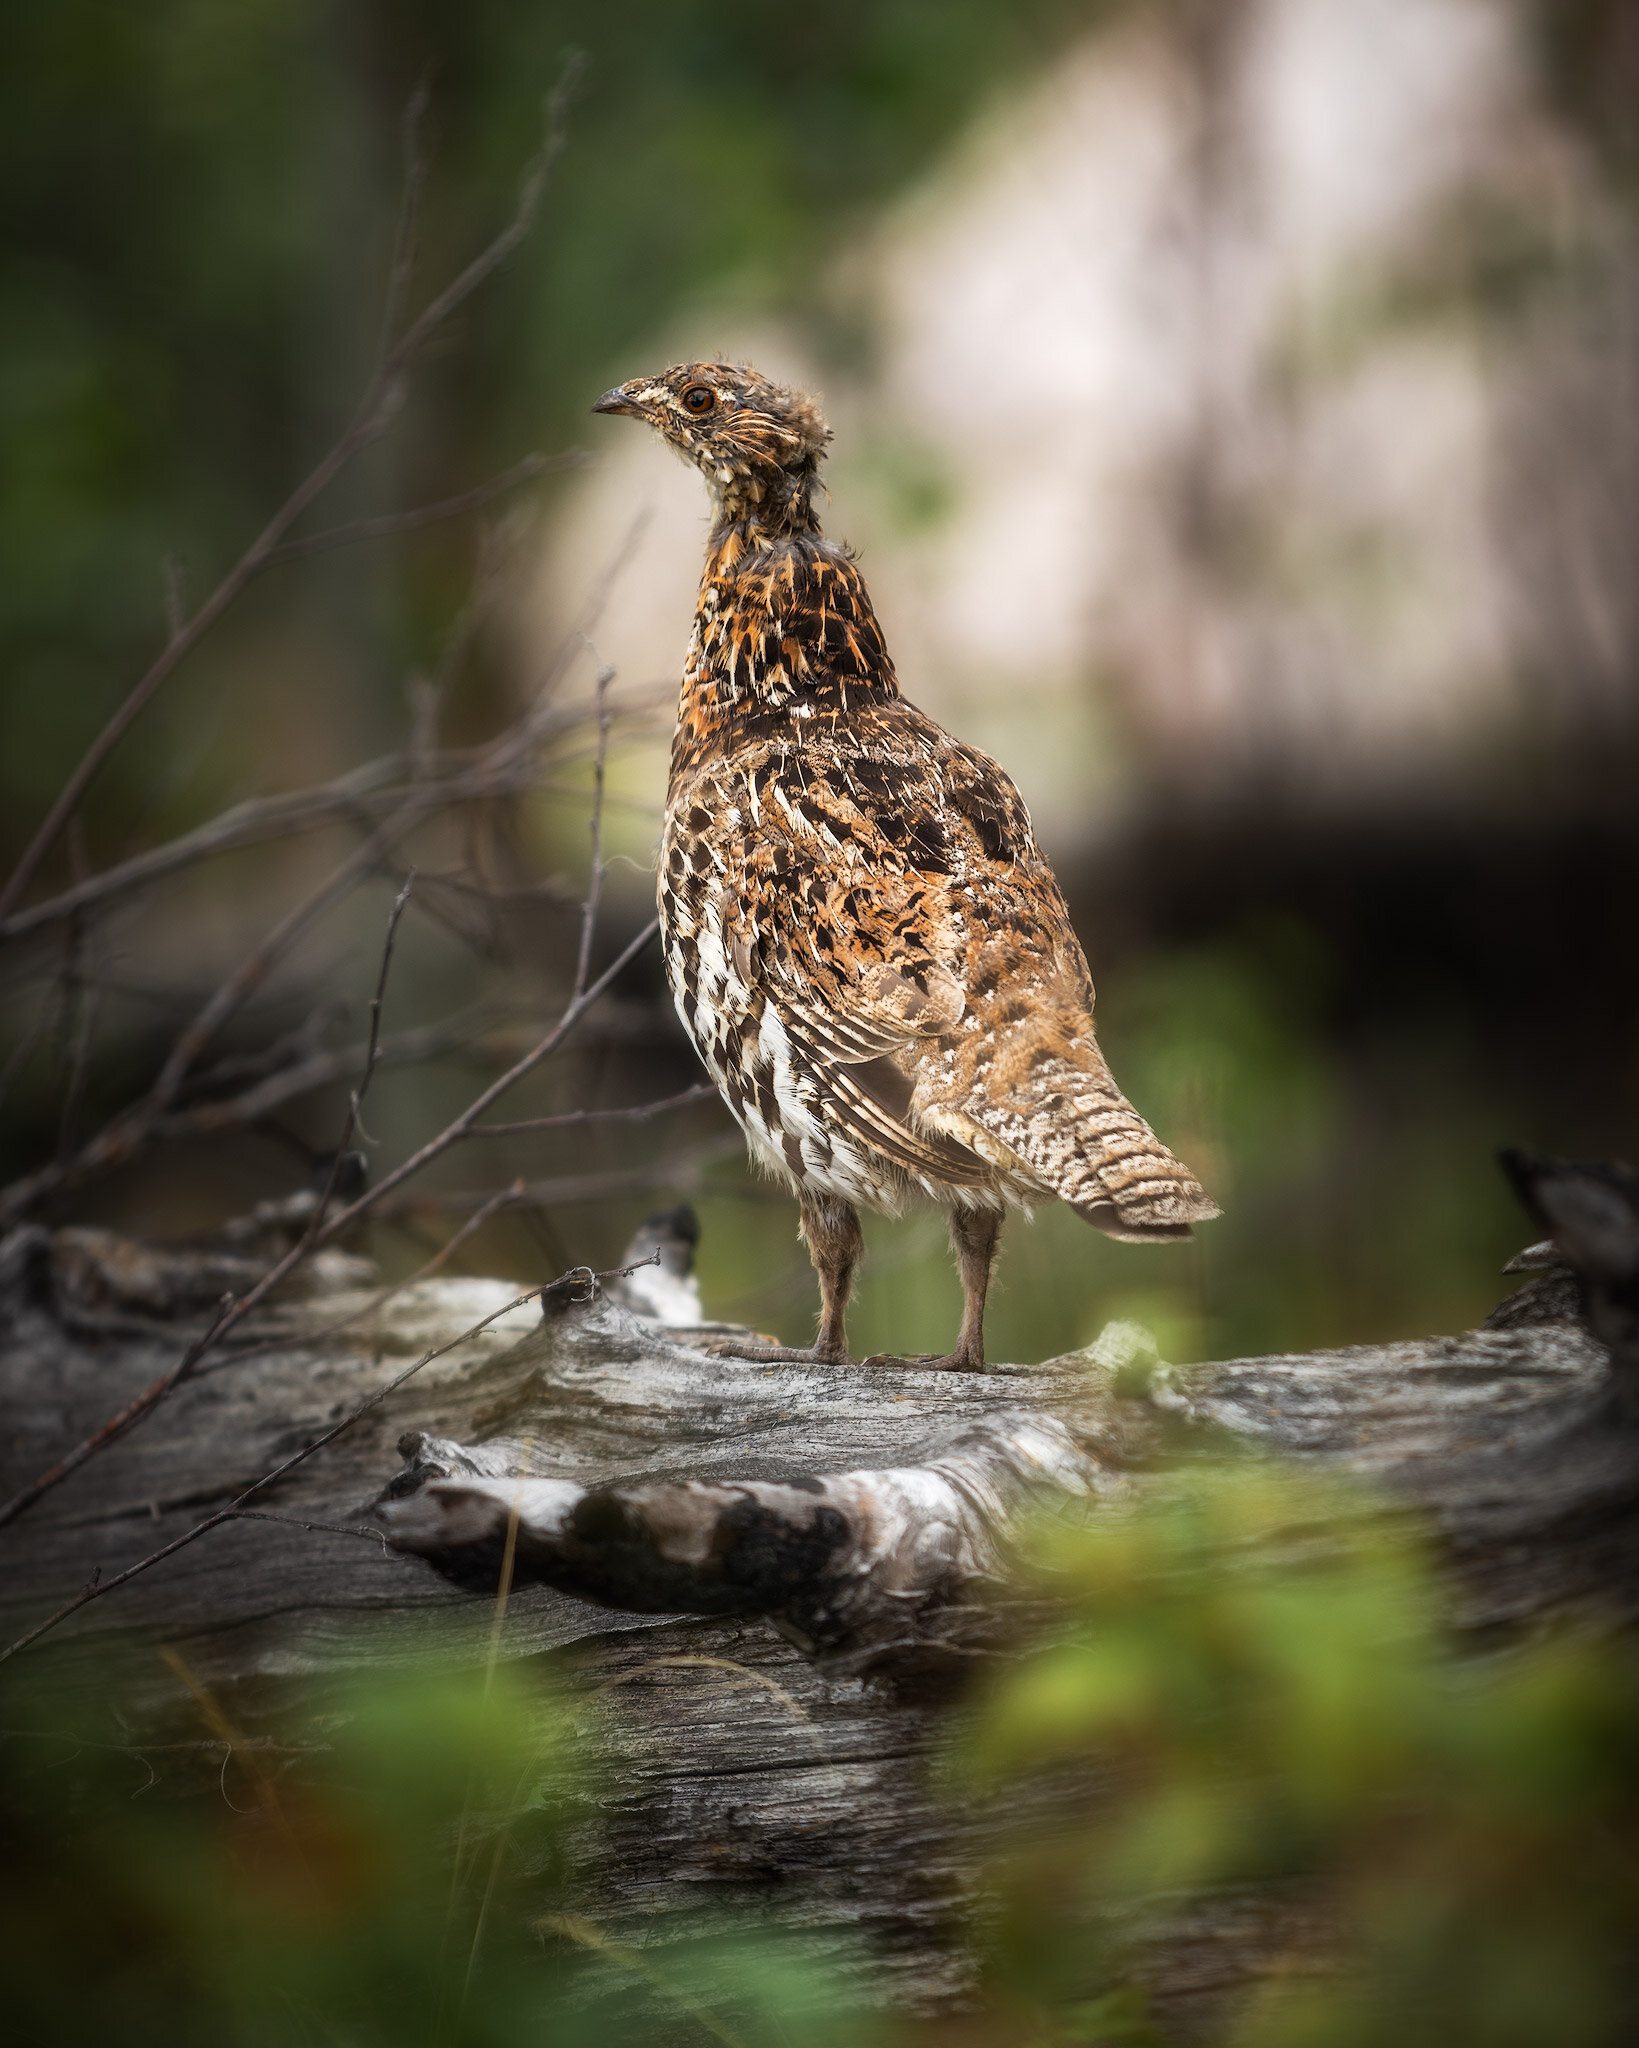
(542, 712)
(504, 766)
(414, 177)
(250, 973)
(533, 184)
(638, 1113)
(459, 1127)
(377, 409)
(135, 1129)
(594, 886)
(317, 1070)
(322, 1232)
(372, 1056)
(325, 1528)
(613, 1185)
(419, 516)
(230, 1311)
(502, 1199)
(372, 1050)
(501, 767)
(246, 824)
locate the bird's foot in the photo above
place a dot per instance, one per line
(923, 1361)
(757, 1353)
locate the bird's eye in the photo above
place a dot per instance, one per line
(699, 398)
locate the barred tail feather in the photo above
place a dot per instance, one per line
(1093, 1149)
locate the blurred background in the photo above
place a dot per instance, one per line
(1237, 412)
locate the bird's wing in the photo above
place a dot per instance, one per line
(870, 871)
(903, 900)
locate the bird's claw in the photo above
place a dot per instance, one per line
(924, 1361)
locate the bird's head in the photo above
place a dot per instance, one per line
(757, 444)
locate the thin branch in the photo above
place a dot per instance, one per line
(372, 1056)
(441, 509)
(580, 1276)
(542, 710)
(483, 265)
(572, 1189)
(414, 175)
(249, 974)
(239, 1112)
(594, 886)
(135, 1129)
(499, 768)
(504, 1198)
(640, 1113)
(375, 413)
(371, 422)
(326, 1528)
(457, 1129)
(244, 824)
(322, 1232)
(230, 1311)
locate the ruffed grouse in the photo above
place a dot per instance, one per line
(862, 936)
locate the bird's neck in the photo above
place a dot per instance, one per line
(783, 631)
(764, 501)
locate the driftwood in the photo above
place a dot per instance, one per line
(758, 1575)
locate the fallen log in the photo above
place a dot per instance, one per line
(759, 1577)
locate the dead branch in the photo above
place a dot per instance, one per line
(419, 516)
(501, 767)
(594, 886)
(324, 1232)
(638, 1113)
(613, 1184)
(377, 410)
(151, 1397)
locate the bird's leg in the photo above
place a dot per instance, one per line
(835, 1244)
(973, 1236)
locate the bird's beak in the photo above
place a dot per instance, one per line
(620, 400)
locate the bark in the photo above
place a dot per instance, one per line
(834, 1540)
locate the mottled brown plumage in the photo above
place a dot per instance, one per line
(862, 936)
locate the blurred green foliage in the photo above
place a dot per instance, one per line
(387, 1867)
(1246, 1689)
(1253, 1684)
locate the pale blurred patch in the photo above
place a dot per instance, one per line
(1184, 461)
